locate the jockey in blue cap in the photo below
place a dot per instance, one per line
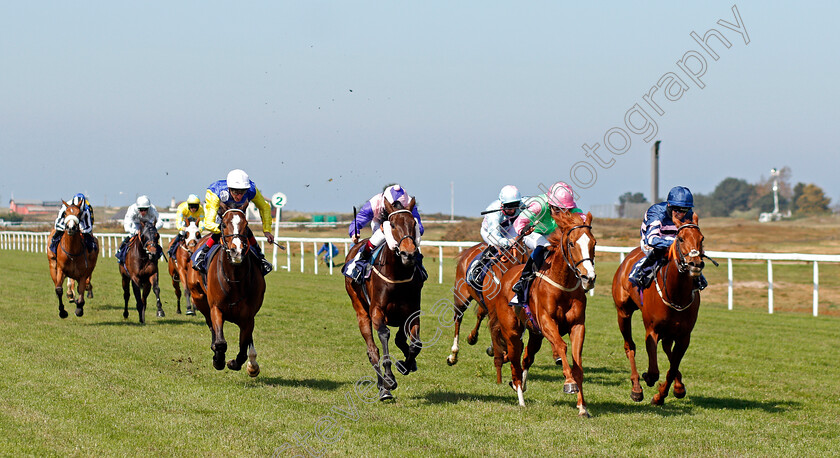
(658, 232)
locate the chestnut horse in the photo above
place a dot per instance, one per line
(179, 263)
(391, 297)
(464, 292)
(557, 301)
(72, 260)
(141, 270)
(232, 290)
(669, 309)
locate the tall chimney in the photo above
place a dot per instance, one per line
(654, 172)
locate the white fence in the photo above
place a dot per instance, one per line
(39, 242)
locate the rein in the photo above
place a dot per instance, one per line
(569, 264)
(398, 252)
(682, 267)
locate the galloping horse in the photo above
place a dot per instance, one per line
(232, 290)
(72, 260)
(669, 309)
(391, 297)
(141, 270)
(557, 306)
(465, 292)
(179, 263)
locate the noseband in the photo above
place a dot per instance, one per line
(567, 257)
(226, 237)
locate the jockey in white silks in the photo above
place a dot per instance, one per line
(138, 214)
(497, 228)
(373, 213)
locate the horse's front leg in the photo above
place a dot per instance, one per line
(625, 326)
(126, 295)
(480, 314)
(576, 336)
(673, 375)
(411, 348)
(652, 375)
(80, 296)
(58, 279)
(156, 289)
(378, 322)
(459, 309)
(514, 351)
(218, 345)
(139, 298)
(534, 343)
(558, 348)
(246, 347)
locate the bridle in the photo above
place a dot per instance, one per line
(567, 257)
(226, 237)
(682, 267)
(399, 242)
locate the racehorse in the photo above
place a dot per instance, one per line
(141, 270)
(557, 306)
(391, 297)
(72, 260)
(465, 292)
(232, 290)
(180, 262)
(669, 309)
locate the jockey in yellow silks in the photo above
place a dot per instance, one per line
(190, 209)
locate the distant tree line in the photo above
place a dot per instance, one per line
(737, 195)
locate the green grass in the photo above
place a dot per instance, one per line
(758, 384)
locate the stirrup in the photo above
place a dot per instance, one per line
(266, 267)
(199, 262)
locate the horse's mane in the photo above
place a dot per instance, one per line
(383, 215)
(565, 221)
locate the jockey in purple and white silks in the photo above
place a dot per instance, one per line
(85, 223)
(373, 213)
(658, 232)
(537, 214)
(497, 228)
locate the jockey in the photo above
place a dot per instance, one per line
(137, 215)
(236, 189)
(658, 232)
(497, 228)
(373, 213)
(190, 209)
(85, 223)
(537, 215)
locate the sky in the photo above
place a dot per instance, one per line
(328, 101)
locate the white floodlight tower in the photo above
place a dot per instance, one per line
(775, 174)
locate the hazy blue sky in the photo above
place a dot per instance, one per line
(327, 101)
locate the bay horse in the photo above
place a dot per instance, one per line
(391, 297)
(141, 270)
(232, 290)
(180, 262)
(464, 292)
(72, 260)
(669, 309)
(557, 302)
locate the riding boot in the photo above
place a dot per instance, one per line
(365, 254)
(90, 241)
(645, 273)
(419, 263)
(532, 265)
(199, 261)
(700, 283)
(174, 247)
(120, 255)
(55, 239)
(265, 266)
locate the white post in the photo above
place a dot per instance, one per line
(440, 264)
(329, 247)
(315, 256)
(276, 229)
(816, 288)
(301, 257)
(621, 255)
(769, 286)
(731, 281)
(288, 257)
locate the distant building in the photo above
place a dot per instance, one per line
(31, 207)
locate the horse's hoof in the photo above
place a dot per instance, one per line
(401, 366)
(218, 363)
(657, 400)
(389, 383)
(125, 315)
(584, 413)
(637, 396)
(62, 313)
(233, 366)
(190, 312)
(558, 362)
(570, 388)
(649, 379)
(489, 351)
(472, 339)
(679, 394)
(160, 313)
(385, 395)
(450, 360)
(178, 311)
(253, 369)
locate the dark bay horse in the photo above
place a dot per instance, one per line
(72, 260)
(141, 270)
(233, 290)
(180, 262)
(391, 297)
(557, 301)
(669, 309)
(465, 292)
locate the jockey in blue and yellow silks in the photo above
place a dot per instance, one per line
(187, 210)
(658, 232)
(235, 190)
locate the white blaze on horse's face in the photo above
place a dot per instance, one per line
(71, 222)
(192, 234)
(587, 268)
(237, 241)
